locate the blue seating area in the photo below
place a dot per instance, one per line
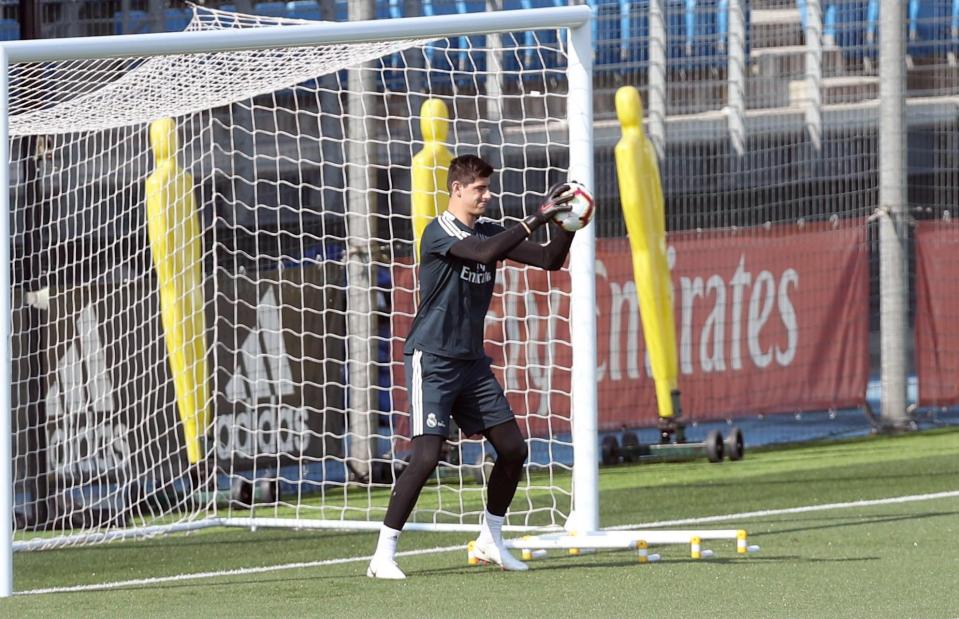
(394, 77)
(696, 35)
(526, 50)
(304, 9)
(932, 26)
(134, 22)
(697, 32)
(455, 55)
(829, 12)
(175, 20)
(722, 23)
(9, 30)
(697, 29)
(614, 30)
(271, 9)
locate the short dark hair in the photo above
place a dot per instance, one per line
(467, 168)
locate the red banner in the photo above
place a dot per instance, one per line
(937, 313)
(766, 321)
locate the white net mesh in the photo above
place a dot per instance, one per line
(103, 94)
(299, 273)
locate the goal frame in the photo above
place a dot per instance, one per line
(576, 19)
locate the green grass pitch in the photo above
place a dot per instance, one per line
(879, 560)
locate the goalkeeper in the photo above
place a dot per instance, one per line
(448, 374)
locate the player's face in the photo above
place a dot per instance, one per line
(476, 196)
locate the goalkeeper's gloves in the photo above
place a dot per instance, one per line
(557, 201)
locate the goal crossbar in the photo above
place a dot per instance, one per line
(306, 35)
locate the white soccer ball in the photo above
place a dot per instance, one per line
(582, 211)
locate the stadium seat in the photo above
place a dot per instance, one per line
(928, 28)
(680, 32)
(952, 36)
(393, 75)
(389, 9)
(270, 9)
(9, 30)
(608, 37)
(828, 19)
(310, 10)
(851, 30)
(707, 42)
(527, 54)
(134, 22)
(722, 27)
(547, 38)
(829, 22)
(913, 9)
(440, 54)
(511, 59)
(341, 10)
(304, 9)
(176, 20)
(471, 60)
(518, 47)
(872, 21)
(634, 29)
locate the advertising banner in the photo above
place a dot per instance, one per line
(937, 313)
(277, 348)
(280, 363)
(109, 399)
(771, 320)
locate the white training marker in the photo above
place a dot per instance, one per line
(707, 553)
(529, 555)
(752, 548)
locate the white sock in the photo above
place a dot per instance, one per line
(386, 546)
(492, 529)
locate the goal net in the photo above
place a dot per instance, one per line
(213, 272)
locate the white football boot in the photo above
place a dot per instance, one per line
(382, 567)
(490, 552)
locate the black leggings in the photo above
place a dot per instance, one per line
(511, 453)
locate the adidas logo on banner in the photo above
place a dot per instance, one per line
(83, 382)
(260, 380)
(263, 368)
(87, 436)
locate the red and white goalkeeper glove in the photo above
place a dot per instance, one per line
(557, 201)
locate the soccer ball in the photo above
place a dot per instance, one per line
(582, 211)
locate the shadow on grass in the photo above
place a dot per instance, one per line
(842, 522)
(798, 479)
(629, 561)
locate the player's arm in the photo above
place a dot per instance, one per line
(550, 256)
(499, 246)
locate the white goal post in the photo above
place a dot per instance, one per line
(47, 95)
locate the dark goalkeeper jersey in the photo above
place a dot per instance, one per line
(454, 294)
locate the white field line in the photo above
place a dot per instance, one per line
(459, 547)
(237, 572)
(913, 498)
